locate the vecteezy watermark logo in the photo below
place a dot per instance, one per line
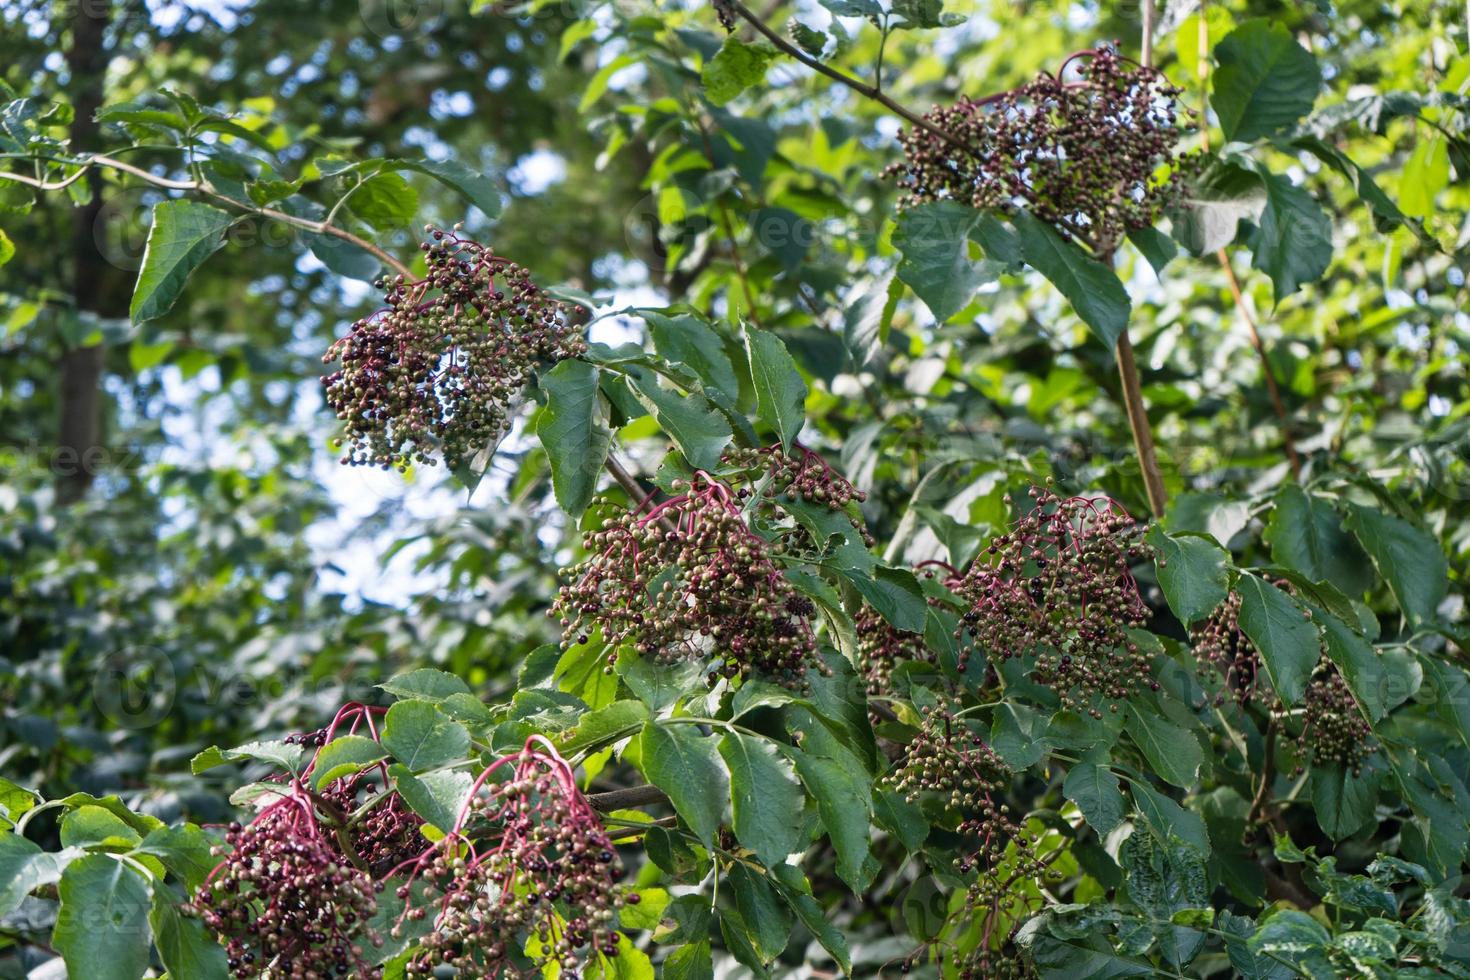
(120, 230)
(386, 18)
(135, 687)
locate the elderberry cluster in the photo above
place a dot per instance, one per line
(770, 479)
(1224, 650)
(443, 363)
(965, 775)
(882, 647)
(549, 872)
(801, 473)
(1057, 589)
(284, 903)
(1005, 963)
(687, 580)
(1082, 152)
(388, 834)
(1334, 730)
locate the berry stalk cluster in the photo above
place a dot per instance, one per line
(540, 866)
(1333, 729)
(525, 879)
(687, 580)
(963, 774)
(1223, 649)
(441, 366)
(1090, 151)
(1057, 590)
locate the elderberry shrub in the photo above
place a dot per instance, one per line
(443, 363)
(965, 775)
(1082, 153)
(545, 870)
(1057, 588)
(284, 903)
(687, 580)
(1224, 650)
(1334, 729)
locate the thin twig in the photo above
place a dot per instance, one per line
(198, 187)
(1272, 388)
(856, 84)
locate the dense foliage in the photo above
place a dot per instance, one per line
(964, 493)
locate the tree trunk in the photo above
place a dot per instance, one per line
(80, 428)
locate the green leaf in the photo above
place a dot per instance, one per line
(473, 186)
(924, 14)
(1015, 735)
(421, 737)
(343, 756)
(1095, 790)
(691, 341)
(424, 684)
(7, 247)
(185, 850)
(573, 434)
(1386, 214)
(734, 68)
(842, 790)
(187, 950)
(1305, 533)
(780, 394)
(934, 238)
(765, 915)
(810, 40)
(696, 426)
(798, 894)
(1282, 631)
(93, 826)
(183, 235)
(1165, 877)
(1208, 219)
(1344, 802)
(608, 724)
(687, 766)
(385, 201)
(102, 924)
(1409, 559)
(24, 867)
(765, 796)
(438, 797)
(1192, 571)
(1366, 673)
(1265, 81)
(1173, 752)
(1292, 242)
(290, 757)
(692, 962)
(1165, 818)
(1155, 246)
(896, 594)
(1092, 288)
